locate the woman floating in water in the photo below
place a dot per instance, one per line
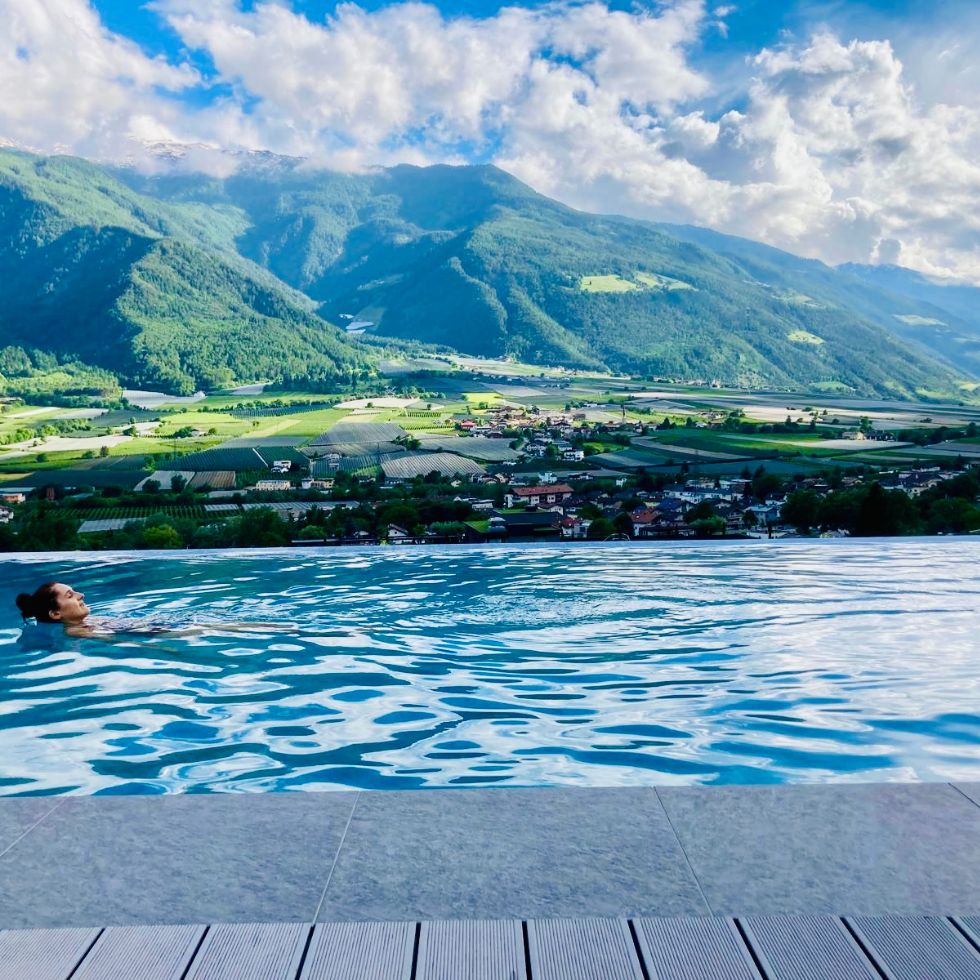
(54, 602)
(58, 604)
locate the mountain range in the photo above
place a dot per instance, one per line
(182, 281)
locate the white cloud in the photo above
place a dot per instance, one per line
(829, 153)
(65, 81)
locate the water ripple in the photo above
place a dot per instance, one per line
(593, 665)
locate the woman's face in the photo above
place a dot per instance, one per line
(71, 606)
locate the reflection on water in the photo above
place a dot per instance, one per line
(591, 665)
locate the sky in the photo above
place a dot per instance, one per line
(843, 130)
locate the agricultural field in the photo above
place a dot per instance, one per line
(366, 433)
(239, 442)
(476, 447)
(136, 513)
(410, 465)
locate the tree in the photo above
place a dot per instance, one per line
(161, 536)
(953, 516)
(708, 526)
(802, 509)
(601, 528)
(260, 528)
(765, 484)
(48, 528)
(103, 451)
(703, 510)
(885, 513)
(623, 524)
(177, 483)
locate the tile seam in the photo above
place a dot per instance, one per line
(965, 796)
(44, 816)
(336, 857)
(680, 844)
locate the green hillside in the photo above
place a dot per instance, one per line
(154, 293)
(470, 258)
(187, 281)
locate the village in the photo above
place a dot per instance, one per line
(551, 480)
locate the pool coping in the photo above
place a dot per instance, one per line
(854, 849)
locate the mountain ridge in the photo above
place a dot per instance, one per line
(196, 281)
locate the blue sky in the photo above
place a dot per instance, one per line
(751, 26)
(848, 130)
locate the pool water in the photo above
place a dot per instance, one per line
(597, 665)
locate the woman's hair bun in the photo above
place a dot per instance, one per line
(25, 603)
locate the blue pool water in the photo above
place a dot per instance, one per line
(747, 662)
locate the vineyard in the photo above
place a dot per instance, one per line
(426, 425)
(477, 447)
(409, 466)
(368, 462)
(239, 460)
(276, 411)
(136, 513)
(362, 432)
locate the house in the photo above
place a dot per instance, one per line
(574, 528)
(644, 519)
(573, 455)
(13, 497)
(532, 524)
(268, 485)
(398, 535)
(539, 496)
(6, 515)
(765, 513)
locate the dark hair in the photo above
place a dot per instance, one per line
(40, 605)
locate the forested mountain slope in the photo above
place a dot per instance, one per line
(92, 271)
(185, 281)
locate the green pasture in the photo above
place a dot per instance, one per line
(606, 284)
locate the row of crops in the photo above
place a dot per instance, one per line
(369, 432)
(275, 411)
(369, 461)
(240, 460)
(421, 425)
(136, 513)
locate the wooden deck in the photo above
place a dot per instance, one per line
(696, 948)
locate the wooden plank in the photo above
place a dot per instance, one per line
(477, 950)
(806, 948)
(582, 949)
(141, 953)
(701, 948)
(915, 948)
(43, 954)
(360, 951)
(254, 951)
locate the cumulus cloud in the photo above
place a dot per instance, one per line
(829, 151)
(67, 82)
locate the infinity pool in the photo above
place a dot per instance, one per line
(626, 664)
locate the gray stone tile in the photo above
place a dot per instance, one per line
(908, 849)
(972, 790)
(19, 814)
(495, 854)
(168, 860)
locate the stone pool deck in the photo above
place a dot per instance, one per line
(502, 854)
